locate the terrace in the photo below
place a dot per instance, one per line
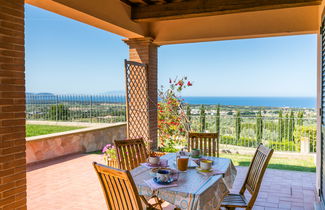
(50, 183)
(69, 181)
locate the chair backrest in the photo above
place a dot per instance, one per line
(130, 153)
(208, 143)
(256, 172)
(119, 188)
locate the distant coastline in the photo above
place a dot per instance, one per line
(292, 102)
(118, 97)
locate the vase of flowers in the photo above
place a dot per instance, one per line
(109, 155)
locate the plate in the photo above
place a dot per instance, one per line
(205, 171)
(163, 183)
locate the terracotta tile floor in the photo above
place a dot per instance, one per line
(70, 183)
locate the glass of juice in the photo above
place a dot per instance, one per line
(182, 163)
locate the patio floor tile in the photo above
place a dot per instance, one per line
(71, 183)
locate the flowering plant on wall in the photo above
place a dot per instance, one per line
(173, 123)
(109, 153)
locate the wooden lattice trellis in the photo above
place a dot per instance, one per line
(137, 103)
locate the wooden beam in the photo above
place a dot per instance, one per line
(199, 8)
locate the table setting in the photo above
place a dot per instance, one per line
(186, 180)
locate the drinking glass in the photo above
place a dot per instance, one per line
(182, 163)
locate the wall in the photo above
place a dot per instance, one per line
(50, 146)
(12, 106)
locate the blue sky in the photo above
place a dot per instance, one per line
(65, 56)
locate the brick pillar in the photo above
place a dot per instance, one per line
(12, 106)
(143, 50)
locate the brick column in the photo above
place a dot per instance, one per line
(12, 106)
(143, 50)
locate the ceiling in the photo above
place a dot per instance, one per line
(156, 10)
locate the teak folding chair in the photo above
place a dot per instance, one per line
(208, 143)
(252, 182)
(119, 189)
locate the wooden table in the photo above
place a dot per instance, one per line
(194, 190)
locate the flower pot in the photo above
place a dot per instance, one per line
(111, 162)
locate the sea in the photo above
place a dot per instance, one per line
(292, 102)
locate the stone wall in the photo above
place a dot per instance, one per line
(50, 146)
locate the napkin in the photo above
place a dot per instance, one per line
(147, 165)
(154, 186)
(211, 173)
(192, 164)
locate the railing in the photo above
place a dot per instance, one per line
(76, 108)
(279, 134)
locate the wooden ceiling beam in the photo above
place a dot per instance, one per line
(198, 8)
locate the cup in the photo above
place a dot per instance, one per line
(154, 160)
(163, 162)
(163, 175)
(182, 163)
(206, 164)
(196, 152)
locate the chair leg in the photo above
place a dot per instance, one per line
(158, 203)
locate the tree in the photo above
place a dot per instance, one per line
(59, 112)
(238, 125)
(291, 127)
(202, 119)
(188, 113)
(280, 126)
(259, 127)
(218, 120)
(300, 117)
(286, 126)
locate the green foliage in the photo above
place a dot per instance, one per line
(283, 163)
(284, 145)
(59, 112)
(37, 130)
(280, 126)
(300, 117)
(243, 141)
(218, 120)
(202, 119)
(188, 114)
(286, 125)
(238, 125)
(291, 127)
(259, 127)
(303, 133)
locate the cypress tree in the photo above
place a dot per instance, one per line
(259, 127)
(188, 114)
(218, 120)
(286, 126)
(238, 125)
(291, 127)
(202, 119)
(300, 117)
(280, 126)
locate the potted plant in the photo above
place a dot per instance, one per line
(109, 155)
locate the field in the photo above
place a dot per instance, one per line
(36, 130)
(283, 163)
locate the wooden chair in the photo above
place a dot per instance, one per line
(119, 189)
(130, 153)
(208, 143)
(252, 182)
